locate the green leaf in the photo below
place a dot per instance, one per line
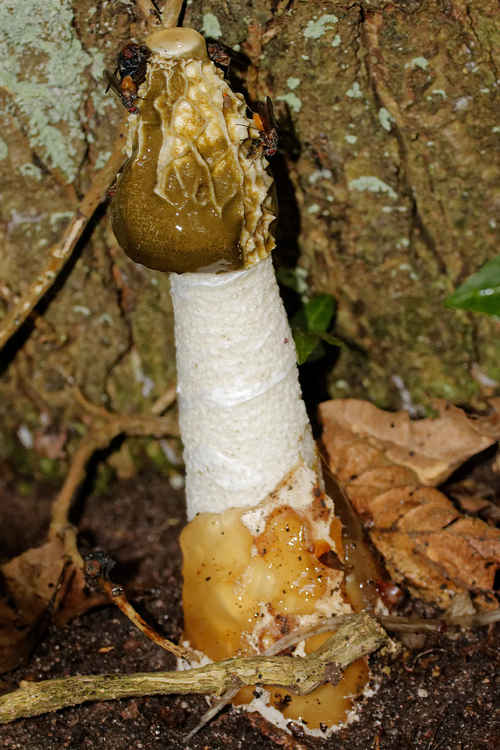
(481, 291)
(332, 340)
(305, 343)
(319, 312)
(299, 320)
(287, 277)
(318, 352)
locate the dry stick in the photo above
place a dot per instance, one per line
(61, 252)
(106, 426)
(439, 625)
(389, 622)
(171, 13)
(359, 636)
(117, 596)
(165, 400)
(287, 641)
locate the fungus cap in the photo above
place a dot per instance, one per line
(194, 194)
(179, 43)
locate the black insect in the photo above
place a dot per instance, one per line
(265, 122)
(226, 58)
(219, 54)
(129, 74)
(97, 564)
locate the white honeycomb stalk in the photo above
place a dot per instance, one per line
(243, 421)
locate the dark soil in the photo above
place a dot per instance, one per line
(438, 694)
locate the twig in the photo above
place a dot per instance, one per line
(439, 625)
(61, 252)
(165, 400)
(389, 622)
(117, 596)
(171, 13)
(291, 639)
(105, 428)
(97, 568)
(359, 636)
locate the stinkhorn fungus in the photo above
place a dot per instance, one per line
(262, 552)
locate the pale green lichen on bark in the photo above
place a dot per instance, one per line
(4, 149)
(90, 333)
(211, 26)
(318, 26)
(44, 72)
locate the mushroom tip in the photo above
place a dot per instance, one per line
(194, 194)
(178, 43)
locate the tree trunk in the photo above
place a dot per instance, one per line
(387, 181)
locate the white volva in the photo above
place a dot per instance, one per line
(243, 421)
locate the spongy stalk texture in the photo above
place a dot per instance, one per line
(243, 421)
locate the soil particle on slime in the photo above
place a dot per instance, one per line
(440, 693)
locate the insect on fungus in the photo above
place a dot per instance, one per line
(131, 70)
(265, 122)
(219, 55)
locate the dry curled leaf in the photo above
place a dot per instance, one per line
(42, 584)
(432, 448)
(475, 504)
(48, 582)
(386, 463)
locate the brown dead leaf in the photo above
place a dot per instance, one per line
(48, 582)
(477, 505)
(17, 638)
(475, 494)
(386, 464)
(471, 503)
(42, 584)
(432, 448)
(407, 565)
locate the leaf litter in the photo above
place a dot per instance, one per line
(47, 583)
(389, 467)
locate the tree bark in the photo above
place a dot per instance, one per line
(387, 181)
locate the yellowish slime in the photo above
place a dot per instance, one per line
(243, 591)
